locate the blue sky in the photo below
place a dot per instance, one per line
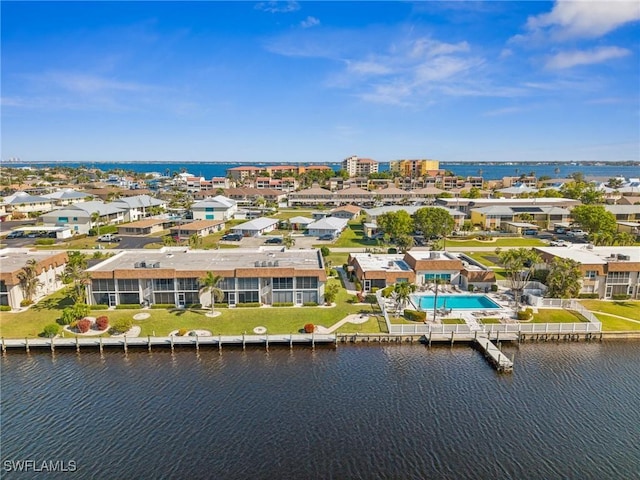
(319, 81)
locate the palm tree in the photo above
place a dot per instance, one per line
(623, 239)
(95, 216)
(75, 275)
(402, 292)
(195, 241)
(209, 284)
(29, 281)
(437, 281)
(289, 241)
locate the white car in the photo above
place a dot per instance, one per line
(577, 233)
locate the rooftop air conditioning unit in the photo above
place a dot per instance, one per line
(137, 265)
(256, 263)
(276, 263)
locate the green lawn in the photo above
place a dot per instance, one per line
(616, 324)
(232, 321)
(623, 308)
(548, 315)
(453, 321)
(490, 320)
(287, 214)
(353, 236)
(497, 242)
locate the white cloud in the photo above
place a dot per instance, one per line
(309, 22)
(574, 58)
(368, 68)
(583, 19)
(504, 111)
(278, 7)
(86, 83)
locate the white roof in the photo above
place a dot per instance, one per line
(256, 224)
(96, 206)
(375, 212)
(304, 220)
(591, 255)
(219, 201)
(67, 193)
(138, 201)
(328, 223)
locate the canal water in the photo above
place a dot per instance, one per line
(569, 410)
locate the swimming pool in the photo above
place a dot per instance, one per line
(456, 302)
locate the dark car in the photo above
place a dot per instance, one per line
(234, 237)
(274, 240)
(16, 234)
(326, 236)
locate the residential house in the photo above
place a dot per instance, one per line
(78, 216)
(146, 226)
(256, 227)
(139, 206)
(67, 196)
(327, 226)
(299, 223)
(350, 212)
(202, 228)
(214, 208)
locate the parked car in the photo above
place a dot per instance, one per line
(530, 232)
(560, 243)
(577, 233)
(109, 237)
(274, 240)
(16, 234)
(326, 236)
(234, 237)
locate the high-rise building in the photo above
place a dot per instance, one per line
(359, 166)
(414, 168)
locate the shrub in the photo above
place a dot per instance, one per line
(358, 285)
(26, 302)
(250, 304)
(374, 289)
(83, 325)
(333, 272)
(620, 296)
(121, 326)
(5, 308)
(494, 287)
(309, 328)
(182, 332)
(44, 241)
(371, 298)
(102, 322)
(283, 304)
(386, 293)
(310, 304)
(73, 324)
(99, 307)
(51, 330)
(588, 295)
(128, 306)
(222, 305)
(525, 314)
(415, 316)
(160, 306)
(78, 311)
(392, 250)
(471, 288)
(324, 251)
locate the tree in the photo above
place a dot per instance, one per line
(330, 293)
(518, 264)
(195, 241)
(395, 224)
(95, 216)
(587, 193)
(433, 221)
(601, 238)
(623, 239)
(401, 293)
(75, 274)
(209, 284)
(29, 281)
(594, 218)
(404, 242)
(288, 241)
(564, 278)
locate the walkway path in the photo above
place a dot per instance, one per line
(616, 316)
(355, 318)
(349, 285)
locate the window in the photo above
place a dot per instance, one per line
(283, 283)
(103, 285)
(164, 298)
(282, 297)
(63, 219)
(430, 277)
(618, 277)
(591, 274)
(129, 298)
(128, 285)
(227, 284)
(209, 217)
(306, 282)
(247, 284)
(208, 209)
(188, 284)
(3, 286)
(163, 284)
(248, 297)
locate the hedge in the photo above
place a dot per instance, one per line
(44, 241)
(5, 308)
(128, 306)
(160, 306)
(588, 295)
(525, 314)
(251, 304)
(99, 307)
(121, 326)
(283, 304)
(620, 296)
(310, 304)
(415, 316)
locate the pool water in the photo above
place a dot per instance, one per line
(456, 302)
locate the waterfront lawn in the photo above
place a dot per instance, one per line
(614, 324)
(622, 308)
(233, 321)
(453, 321)
(498, 242)
(287, 214)
(550, 315)
(490, 320)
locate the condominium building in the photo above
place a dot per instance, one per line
(415, 168)
(609, 272)
(359, 166)
(173, 276)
